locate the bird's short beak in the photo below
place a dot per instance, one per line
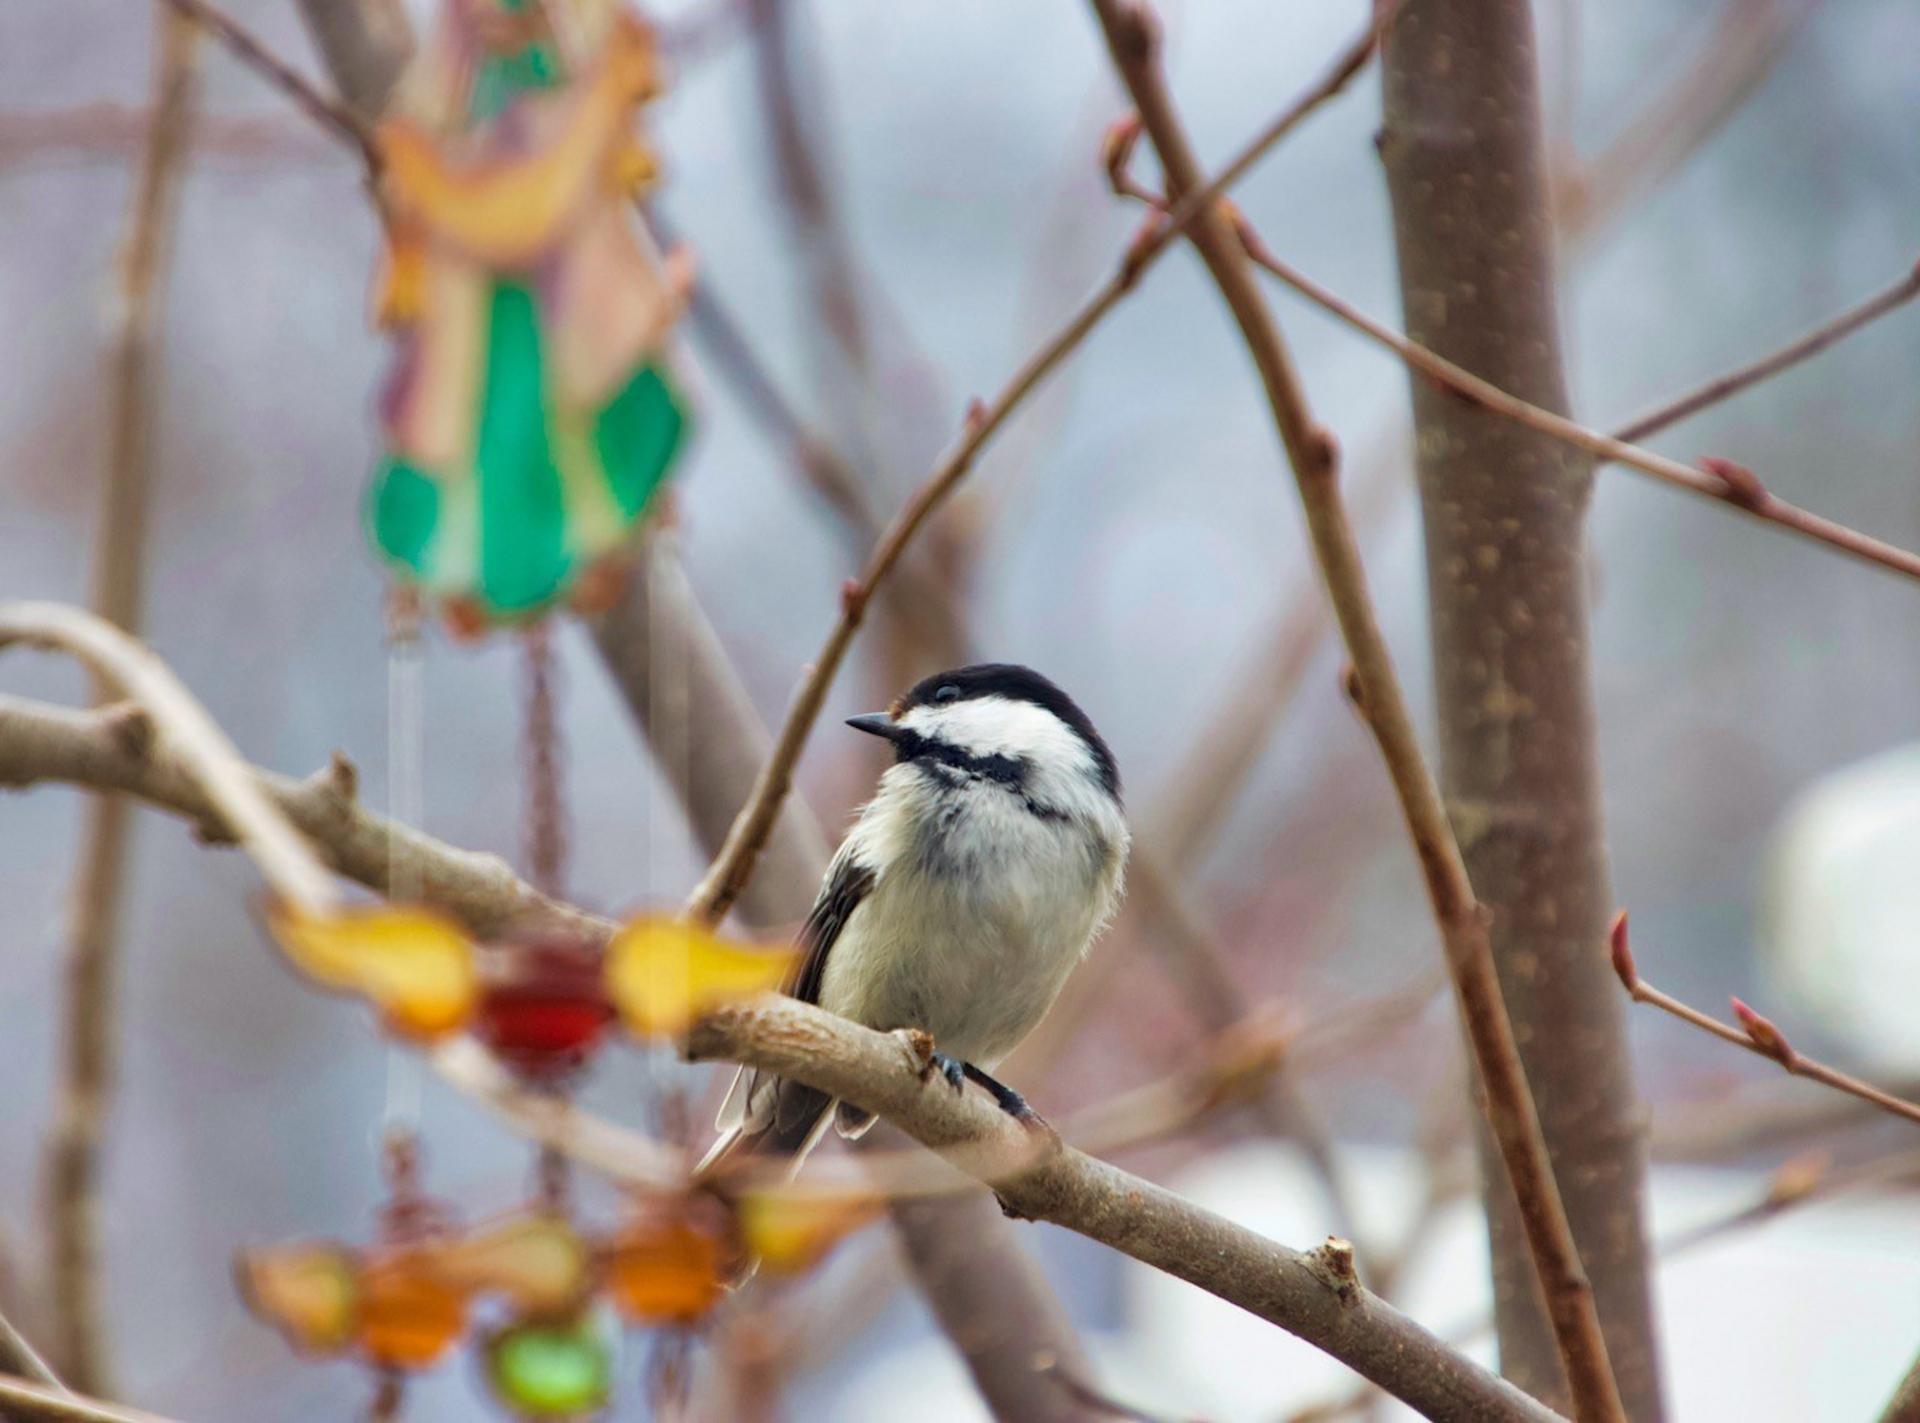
(876, 724)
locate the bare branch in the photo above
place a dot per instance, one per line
(202, 747)
(1132, 40)
(1298, 1291)
(1744, 494)
(89, 1007)
(24, 1402)
(115, 749)
(365, 45)
(1744, 38)
(19, 1357)
(337, 118)
(1756, 1034)
(1724, 387)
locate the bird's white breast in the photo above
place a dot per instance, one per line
(982, 910)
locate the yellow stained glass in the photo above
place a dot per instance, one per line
(791, 1229)
(416, 966)
(663, 973)
(537, 1261)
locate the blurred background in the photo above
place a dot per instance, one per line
(1730, 177)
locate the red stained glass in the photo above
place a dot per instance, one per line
(543, 1010)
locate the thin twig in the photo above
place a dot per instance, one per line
(1723, 387)
(1132, 40)
(1719, 480)
(23, 1402)
(336, 117)
(734, 864)
(20, 1358)
(284, 858)
(1742, 42)
(89, 1016)
(365, 44)
(1756, 1034)
(114, 749)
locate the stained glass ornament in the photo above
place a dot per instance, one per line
(543, 1007)
(663, 973)
(536, 1261)
(550, 1369)
(414, 965)
(529, 415)
(669, 1265)
(310, 1293)
(409, 1316)
(790, 1229)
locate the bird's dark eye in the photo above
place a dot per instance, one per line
(948, 693)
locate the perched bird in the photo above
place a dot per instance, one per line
(970, 886)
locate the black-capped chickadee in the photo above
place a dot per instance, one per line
(968, 889)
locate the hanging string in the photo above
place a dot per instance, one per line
(546, 829)
(406, 806)
(670, 717)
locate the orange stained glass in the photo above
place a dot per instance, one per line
(671, 1263)
(409, 1317)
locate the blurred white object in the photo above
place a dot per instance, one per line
(1840, 927)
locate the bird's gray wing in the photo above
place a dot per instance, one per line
(762, 1112)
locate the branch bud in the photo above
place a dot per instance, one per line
(1623, 966)
(1743, 486)
(1116, 151)
(1765, 1036)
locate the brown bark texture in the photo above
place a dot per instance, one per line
(1504, 509)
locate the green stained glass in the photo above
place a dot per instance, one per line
(551, 1370)
(502, 78)
(523, 519)
(636, 436)
(403, 512)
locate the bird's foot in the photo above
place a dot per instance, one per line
(950, 1068)
(1008, 1100)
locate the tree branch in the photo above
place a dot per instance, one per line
(89, 1006)
(341, 121)
(1504, 515)
(115, 748)
(1313, 1294)
(1756, 1034)
(1721, 480)
(19, 1357)
(1133, 41)
(24, 1402)
(365, 45)
(1724, 387)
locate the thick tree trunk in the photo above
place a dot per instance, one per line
(1504, 513)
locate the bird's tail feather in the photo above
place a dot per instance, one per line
(767, 1117)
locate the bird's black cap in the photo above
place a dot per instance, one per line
(1016, 684)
